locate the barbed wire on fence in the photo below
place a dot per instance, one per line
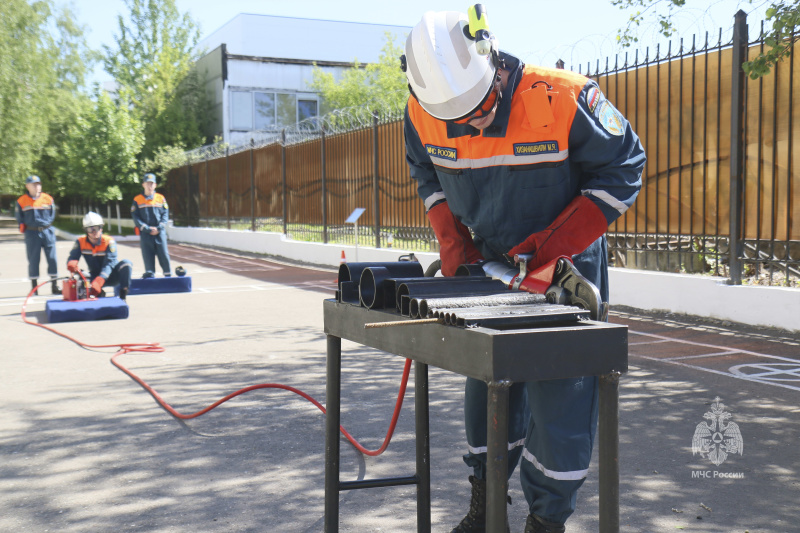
(337, 121)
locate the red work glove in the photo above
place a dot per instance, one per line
(578, 226)
(456, 247)
(72, 266)
(97, 286)
(22, 228)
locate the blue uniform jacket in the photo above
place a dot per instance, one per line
(35, 213)
(554, 138)
(150, 212)
(100, 258)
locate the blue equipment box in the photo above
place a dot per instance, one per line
(158, 285)
(81, 310)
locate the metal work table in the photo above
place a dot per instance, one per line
(498, 357)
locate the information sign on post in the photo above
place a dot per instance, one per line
(353, 219)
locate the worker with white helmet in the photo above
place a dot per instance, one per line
(529, 160)
(100, 253)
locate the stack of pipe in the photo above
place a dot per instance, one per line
(467, 300)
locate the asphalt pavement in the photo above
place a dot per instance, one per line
(86, 449)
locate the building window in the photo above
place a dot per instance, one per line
(306, 109)
(261, 110)
(264, 110)
(241, 110)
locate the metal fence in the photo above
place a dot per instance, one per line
(720, 190)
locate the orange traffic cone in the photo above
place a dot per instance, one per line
(343, 259)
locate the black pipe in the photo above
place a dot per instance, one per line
(398, 269)
(370, 287)
(391, 284)
(448, 287)
(470, 270)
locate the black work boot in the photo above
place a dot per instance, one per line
(34, 283)
(123, 293)
(537, 524)
(54, 287)
(475, 521)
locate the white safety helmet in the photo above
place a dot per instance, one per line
(450, 69)
(92, 219)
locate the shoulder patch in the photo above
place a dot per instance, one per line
(593, 98)
(450, 154)
(610, 119)
(543, 147)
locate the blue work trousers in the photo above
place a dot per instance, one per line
(552, 426)
(152, 246)
(120, 275)
(35, 242)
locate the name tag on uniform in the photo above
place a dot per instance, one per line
(450, 154)
(544, 147)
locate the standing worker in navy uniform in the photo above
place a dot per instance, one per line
(531, 160)
(150, 213)
(100, 253)
(35, 212)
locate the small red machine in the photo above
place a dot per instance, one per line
(75, 288)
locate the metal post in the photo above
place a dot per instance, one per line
(332, 421)
(252, 187)
(188, 193)
(737, 146)
(422, 420)
(497, 456)
(608, 452)
(208, 202)
(376, 208)
(324, 191)
(283, 179)
(227, 187)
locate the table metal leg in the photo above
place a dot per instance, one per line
(497, 456)
(333, 391)
(609, 453)
(423, 447)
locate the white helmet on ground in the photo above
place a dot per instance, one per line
(446, 71)
(92, 219)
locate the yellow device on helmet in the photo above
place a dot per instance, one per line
(479, 29)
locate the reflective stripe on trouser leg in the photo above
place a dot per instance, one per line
(121, 275)
(558, 447)
(33, 248)
(148, 245)
(475, 395)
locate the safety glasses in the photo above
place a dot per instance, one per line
(486, 108)
(94, 229)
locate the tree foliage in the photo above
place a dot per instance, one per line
(783, 15)
(380, 84)
(152, 61)
(102, 149)
(28, 77)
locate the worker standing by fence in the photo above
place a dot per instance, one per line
(150, 213)
(533, 160)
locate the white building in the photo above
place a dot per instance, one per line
(258, 68)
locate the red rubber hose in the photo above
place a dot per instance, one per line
(154, 347)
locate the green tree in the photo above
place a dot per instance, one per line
(102, 150)
(72, 59)
(380, 84)
(26, 76)
(152, 61)
(784, 17)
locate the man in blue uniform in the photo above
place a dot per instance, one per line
(35, 212)
(531, 160)
(150, 213)
(100, 253)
